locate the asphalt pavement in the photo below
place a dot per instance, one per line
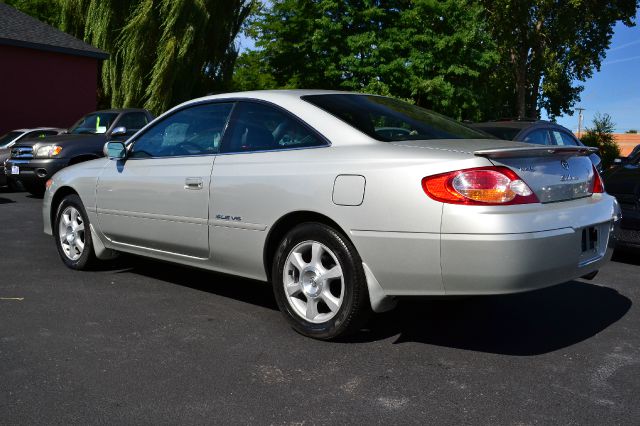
(144, 342)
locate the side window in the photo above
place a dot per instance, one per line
(133, 121)
(191, 131)
(539, 137)
(567, 139)
(259, 127)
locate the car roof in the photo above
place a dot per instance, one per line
(514, 124)
(34, 129)
(120, 110)
(273, 94)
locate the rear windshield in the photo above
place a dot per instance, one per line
(94, 123)
(7, 138)
(506, 133)
(387, 119)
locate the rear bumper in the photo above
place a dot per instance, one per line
(512, 263)
(34, 170)
(500, 253)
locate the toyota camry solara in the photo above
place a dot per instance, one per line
(343, 201)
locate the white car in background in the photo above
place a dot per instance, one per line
(312, 191)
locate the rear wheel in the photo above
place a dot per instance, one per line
(319, 282)
(73, 235)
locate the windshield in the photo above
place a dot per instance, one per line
(98, 122)
(387, 119)
(6, 139)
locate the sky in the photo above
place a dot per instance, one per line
(614, 90)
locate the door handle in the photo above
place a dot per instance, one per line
(193, 183)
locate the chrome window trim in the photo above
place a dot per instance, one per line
(229, 153)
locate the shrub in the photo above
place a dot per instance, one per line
(601, 137)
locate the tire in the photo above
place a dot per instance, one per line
(319, 282)
(13, 185)
(72, 234)
(35, 189)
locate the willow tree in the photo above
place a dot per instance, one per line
(162, 51)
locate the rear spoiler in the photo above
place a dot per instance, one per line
(536, 151)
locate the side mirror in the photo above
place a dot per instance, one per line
(119, 131)
(114, 150)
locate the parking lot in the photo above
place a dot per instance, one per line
(150, 343)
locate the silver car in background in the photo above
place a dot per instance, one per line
(343, 201)
(8, 140)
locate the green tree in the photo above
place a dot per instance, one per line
(547, 45)
(251, 73)
(44, 10)
(163, 52)
(435, 53)
(601, 137)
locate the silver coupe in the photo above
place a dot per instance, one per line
(343, 201)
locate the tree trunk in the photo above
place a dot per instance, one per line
(533, 111)
(521, 82)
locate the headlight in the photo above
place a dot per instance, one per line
(48, 151)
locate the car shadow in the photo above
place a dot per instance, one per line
(245, 290)
(6, 200)
(524, 324)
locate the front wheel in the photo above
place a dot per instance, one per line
(13, 185)
(73, 234)
(319, 282)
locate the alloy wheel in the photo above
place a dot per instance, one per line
(71, 232)
(313, 282)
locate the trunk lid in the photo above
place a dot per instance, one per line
(552, 173)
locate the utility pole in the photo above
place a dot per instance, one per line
(580, 109)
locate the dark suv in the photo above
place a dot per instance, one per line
(539, 132)
(33, 162)
(623, 182)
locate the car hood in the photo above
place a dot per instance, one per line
(65, 139)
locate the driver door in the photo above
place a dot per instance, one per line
(157, 199)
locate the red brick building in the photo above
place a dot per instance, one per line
(47, 77)
(626, 142)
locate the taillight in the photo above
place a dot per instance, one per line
(479, 186)
(598, 185)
